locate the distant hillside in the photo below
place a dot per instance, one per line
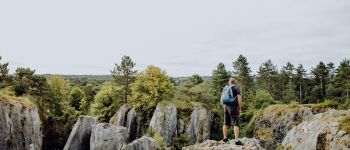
(88, 77)
(178, 80)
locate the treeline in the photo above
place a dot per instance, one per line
(290, 83)
(61, 101)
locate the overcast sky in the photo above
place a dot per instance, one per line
(183, 37)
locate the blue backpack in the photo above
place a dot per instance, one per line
(227, 95)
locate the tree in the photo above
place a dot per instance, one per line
(267, 78)
(76, 97)
(150, 87)
(300, 80)
(287, 73)
(23, 80)
(4, 74)
(107, 101)
(321, 77)
(59, 89)
(193, 80)
(219, 79)
(290, 93)
(242, 73)
(123, 75)
(263, 99)
(342, 78)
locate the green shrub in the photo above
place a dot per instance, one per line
(159, 139)
(181, 141)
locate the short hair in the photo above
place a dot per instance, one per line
(232, 81)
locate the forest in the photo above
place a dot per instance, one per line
(61, 99)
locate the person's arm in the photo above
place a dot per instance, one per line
(239, 102)
(239, 96)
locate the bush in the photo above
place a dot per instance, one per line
(263, 99)
(181, 141)
(159, 139)
(107, 101)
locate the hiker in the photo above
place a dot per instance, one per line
(231, 101)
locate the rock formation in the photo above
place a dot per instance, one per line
(164, 122)
(277, 120)
(127, 117)
(108, 137)
(199, 127)
(249, 144)
(20, 124)
(322, 131)
(143, 143)
(79, 138)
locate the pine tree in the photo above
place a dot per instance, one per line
(342, 78)
(195, 79)
(220, 78)
(290, 93)
(267, 79)
(321, 77)
(287, 73)
(124, 75)
(300, 80)
(242, 74)
(4, 74)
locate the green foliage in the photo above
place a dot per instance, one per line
(76, 98)
(300, 80)
(58, 99)
(242, 73)
(181, 141)
(267, 79)
(321, 76)
(219, 79)
(290, 94)
(263, 99)
(5, 79)
(159, 139)
(150, 87)
(107, 101)
(316, 94)
(123, 75)
(193, 81)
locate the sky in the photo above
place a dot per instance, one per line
(183, 37)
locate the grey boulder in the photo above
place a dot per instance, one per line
(79, 138)
(108, 137)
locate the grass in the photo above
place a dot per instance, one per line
(345, 124)
(16, 100)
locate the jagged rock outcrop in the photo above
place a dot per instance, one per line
(180, 126)
(108, 137)
(20, 125)
(199, 127)
(273, 124)
(164, 122)
(143, 143)
(321, 131)
(127, 117)
(79, 138)
(249, 144)
(132, 125)
(120, 118)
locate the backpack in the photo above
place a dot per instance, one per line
(227, 95)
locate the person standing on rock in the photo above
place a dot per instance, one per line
(231, 101)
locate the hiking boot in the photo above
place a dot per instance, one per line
(238, 143)
(225, 140)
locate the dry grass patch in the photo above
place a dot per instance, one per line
(345, 124)
(14, 100)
